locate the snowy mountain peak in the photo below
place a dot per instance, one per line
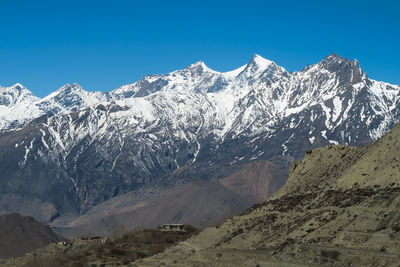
(16, 89)
(260, 61)
(270, 88)
(65, 90)
(19, 86)
(74, 87)
(15, 94)
(200, 67)
(261, 69)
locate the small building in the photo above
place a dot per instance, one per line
(178, 227)
(91, 239)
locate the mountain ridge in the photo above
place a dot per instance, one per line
(167, 130)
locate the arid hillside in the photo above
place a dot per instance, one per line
(340, 207)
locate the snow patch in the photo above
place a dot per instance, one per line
(323, 134)
(311, 139)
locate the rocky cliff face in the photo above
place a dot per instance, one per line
(72, 150)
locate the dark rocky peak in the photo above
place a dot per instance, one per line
(346, 70)
(358, 73)
(334, 62)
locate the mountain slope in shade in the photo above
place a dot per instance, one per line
(340, 207)
(257, 181)
(20, 235)
(188, 204)
(167, 130)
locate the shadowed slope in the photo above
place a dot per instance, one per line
(199, 203)
(19, 235)
(257, 181)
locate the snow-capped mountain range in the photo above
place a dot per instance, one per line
(74, 149)
(279, 94)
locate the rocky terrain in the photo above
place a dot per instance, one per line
(340, 207)
(65, 154)
(20, 235)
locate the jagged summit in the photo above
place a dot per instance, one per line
(296, 90)
(333, 62)
(257, 63)
(334, 55)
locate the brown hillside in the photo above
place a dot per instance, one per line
(189, 204)
(19, 235)
(343, 166)
(257, 181)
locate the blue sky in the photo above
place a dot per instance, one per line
(105, 44)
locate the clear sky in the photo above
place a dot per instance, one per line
(104, 44)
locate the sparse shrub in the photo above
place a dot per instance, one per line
(333, 255)
(118, 252)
